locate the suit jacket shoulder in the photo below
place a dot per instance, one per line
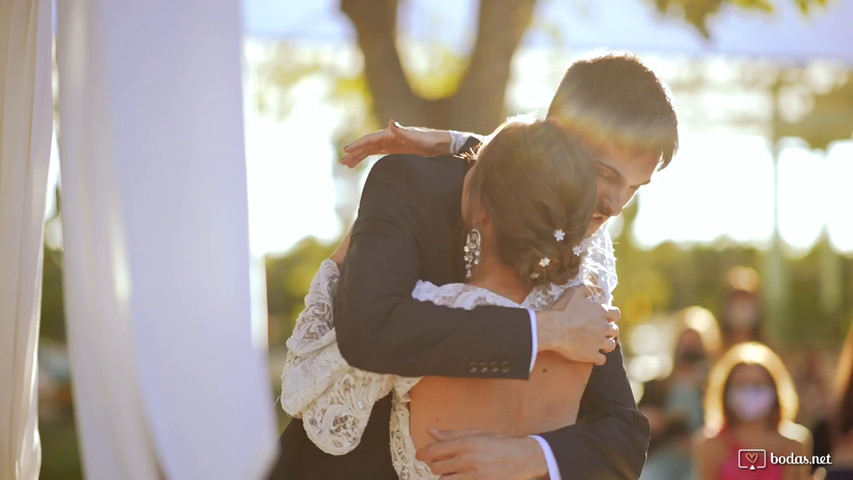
(420, 180)
(424, 196)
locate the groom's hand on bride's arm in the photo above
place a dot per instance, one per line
(578, 328)
(477, 455)
(396, 138)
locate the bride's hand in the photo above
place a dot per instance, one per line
(398, 139)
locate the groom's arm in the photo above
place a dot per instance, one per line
(609, 442)
(611, 437)
(380, 328)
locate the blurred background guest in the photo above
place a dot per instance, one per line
(810, 371)
(674, 404)
(742, 319)
(841, 427)
(750, 403)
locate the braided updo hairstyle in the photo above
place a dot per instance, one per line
(537, 183)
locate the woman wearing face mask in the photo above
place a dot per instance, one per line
(742, 316)
(674, 404)
(750, 404)
(841, 421)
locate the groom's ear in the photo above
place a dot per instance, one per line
(556, 120)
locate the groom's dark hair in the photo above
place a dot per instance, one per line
(614, 98)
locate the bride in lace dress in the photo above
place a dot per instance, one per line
(527, 204)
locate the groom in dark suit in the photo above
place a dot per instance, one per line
(409, 227)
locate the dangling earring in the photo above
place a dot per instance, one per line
(472, 251)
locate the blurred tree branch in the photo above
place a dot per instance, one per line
(478, 104)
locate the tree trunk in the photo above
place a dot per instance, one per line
(478, 104)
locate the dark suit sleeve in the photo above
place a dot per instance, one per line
(381, 328)
(611, 437)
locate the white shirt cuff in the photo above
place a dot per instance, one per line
(458, 140)
(535, 349)
(550, 461)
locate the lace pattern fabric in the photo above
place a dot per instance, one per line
(335, 399)
(598, 269)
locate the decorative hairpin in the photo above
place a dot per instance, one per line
(559, 235)
(544, 262)
(578, 250)
(534, 275)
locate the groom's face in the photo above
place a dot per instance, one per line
(620, 173)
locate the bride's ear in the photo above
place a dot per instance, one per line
(475, 215)
(482, 217)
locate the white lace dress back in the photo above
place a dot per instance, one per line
(334, 399)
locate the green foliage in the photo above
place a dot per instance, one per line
(52, 302)
(671, 277)
(698, 12)
(52, 326)
(667, 278)
(288, 279)
(806, 6)
(828, 120)
(60, 451)
(280, 67)
(275, 79)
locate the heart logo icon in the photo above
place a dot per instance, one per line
(752, 457)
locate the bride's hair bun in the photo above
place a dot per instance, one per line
(537, 183)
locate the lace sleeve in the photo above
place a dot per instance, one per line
(302, 378)
(333, 399)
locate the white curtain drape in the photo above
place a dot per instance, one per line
(169, 377)
(26, 124)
